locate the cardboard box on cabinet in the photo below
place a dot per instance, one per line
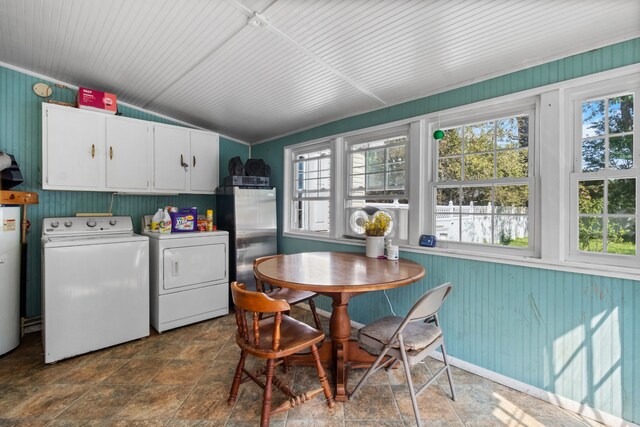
(95, 100)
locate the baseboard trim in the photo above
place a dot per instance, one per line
(560, 401)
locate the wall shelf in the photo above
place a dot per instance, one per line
(9, 197)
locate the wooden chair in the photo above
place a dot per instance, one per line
(272, 338)
(292, 296)
(410, 340)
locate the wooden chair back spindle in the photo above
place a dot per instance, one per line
(298, 336)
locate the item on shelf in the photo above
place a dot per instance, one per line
(165, 224)
(10, 174)
(184, 219)
(210, 220)
(235, 166)
(155, 221)
(96, 100)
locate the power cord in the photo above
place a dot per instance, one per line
(389, 301)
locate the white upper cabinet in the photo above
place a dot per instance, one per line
(73, 149)
(171, 155)
(89, 151)
(204, 162)
(127, 154)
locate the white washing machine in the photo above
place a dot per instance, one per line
(95, 284)
(189, 277)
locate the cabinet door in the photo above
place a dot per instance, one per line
(73, 146)
(204, 162)
(127, 153)
(171, 158)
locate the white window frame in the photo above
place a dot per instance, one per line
(573, 117)
(528, 106)
(290, 156)
(363, 137)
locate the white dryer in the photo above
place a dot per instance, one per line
(95, 284)
(189, 274)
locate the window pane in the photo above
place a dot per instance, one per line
(357, 182)
(621, 196)
(395, 180)
(396, 154)
(375, 160)
(621, 152)
(593, 118)
(621, 236)
(513, 163)
(311, 215)
(476, 228)
(592, 155)
(591, 197)
(621, 114)
(478, 166)
(511, 199)
(450, 168)
(511, 230)
(375, 182)
(477, 199)
(590, 234)
(325, 163)
(478, 137)
(325, 184)
(447, 197)
(451, 144)
(358, 163)
(513, 132)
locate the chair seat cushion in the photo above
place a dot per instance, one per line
(291, 295)
(416, 335)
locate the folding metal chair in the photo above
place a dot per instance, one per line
(410, 340)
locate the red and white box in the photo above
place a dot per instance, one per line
(89, 99)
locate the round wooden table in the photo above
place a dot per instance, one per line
(340, 276)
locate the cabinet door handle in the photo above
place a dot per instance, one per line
(110, 153)
(93, 151)
(194, 161)
(182, 163)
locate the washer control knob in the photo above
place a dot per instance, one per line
(55, 224)
(91, 223)
(68, 223)
(112, 222)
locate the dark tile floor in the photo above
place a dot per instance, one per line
(182, 378)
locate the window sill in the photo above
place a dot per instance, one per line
(523, 261)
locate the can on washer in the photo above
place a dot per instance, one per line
(210, 220)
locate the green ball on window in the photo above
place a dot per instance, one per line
(438, 135)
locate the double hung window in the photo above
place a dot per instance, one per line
(604, 203)
(376, 180)
(483, 182)
(310, 208)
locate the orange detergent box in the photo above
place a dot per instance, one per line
(96, 100)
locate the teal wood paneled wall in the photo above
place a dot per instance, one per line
(21, 135)
(572, 334)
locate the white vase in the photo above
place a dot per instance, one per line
(375, 246)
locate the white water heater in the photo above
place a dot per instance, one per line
(9, 278)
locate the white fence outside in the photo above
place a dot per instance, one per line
(511, 223)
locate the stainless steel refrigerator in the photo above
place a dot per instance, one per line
(249, 215)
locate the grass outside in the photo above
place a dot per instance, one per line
(624, 248)
(595, 245)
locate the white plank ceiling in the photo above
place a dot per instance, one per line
(297, 63)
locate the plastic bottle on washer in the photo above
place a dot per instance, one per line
(165, 224)
(155, 221)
